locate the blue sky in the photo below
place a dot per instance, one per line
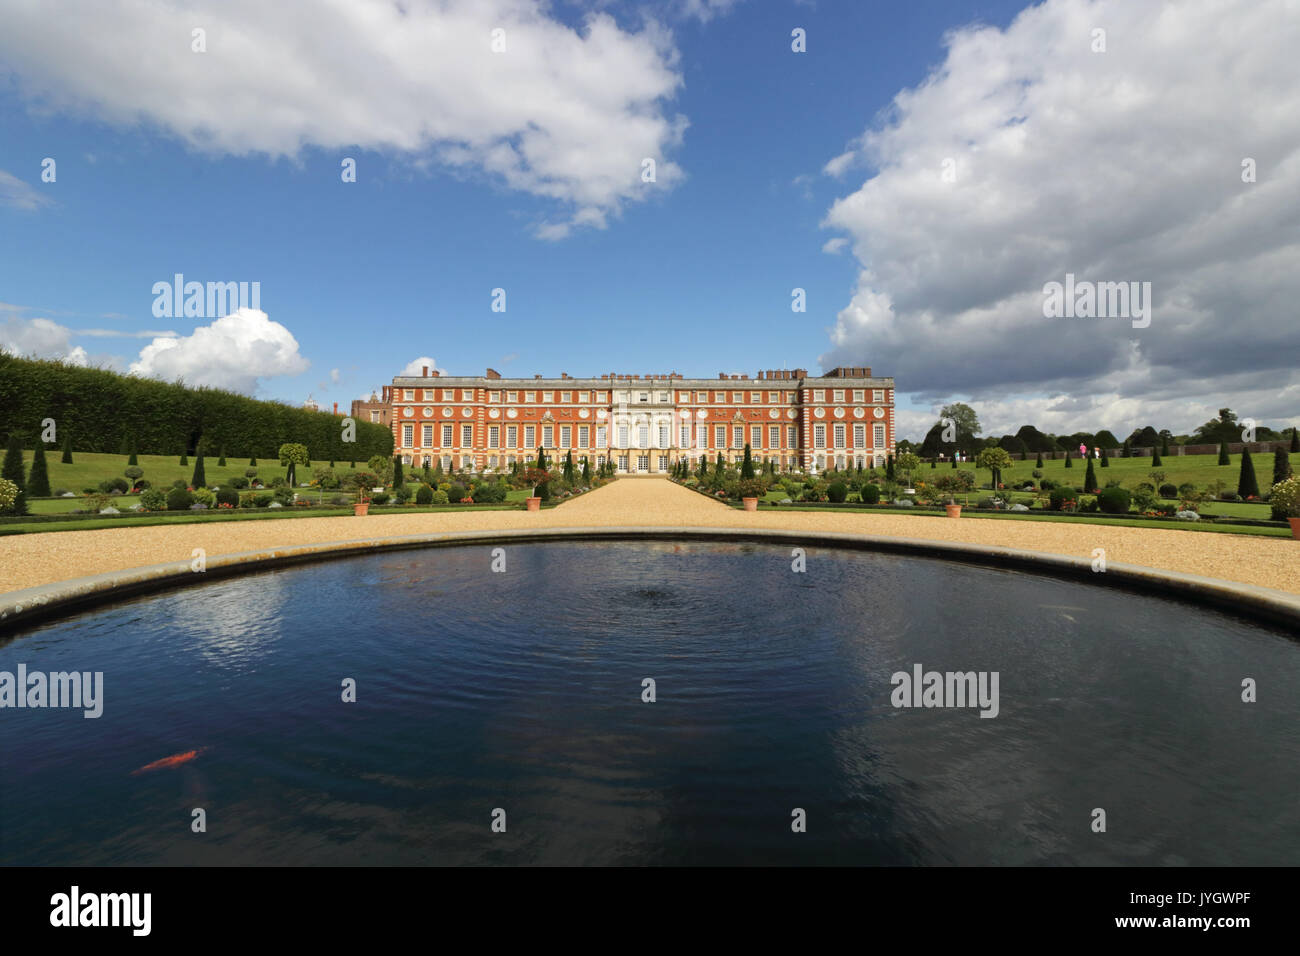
(692, 274)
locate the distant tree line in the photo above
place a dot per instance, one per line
(97, 410)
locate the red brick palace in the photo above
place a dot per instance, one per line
(644, 423)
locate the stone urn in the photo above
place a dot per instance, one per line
(1295, 527)
(751, 504)
(361, 509)
(534, 504)
(954, 511)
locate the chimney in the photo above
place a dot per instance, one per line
(425, 373)
(493, 373)
(336, 408)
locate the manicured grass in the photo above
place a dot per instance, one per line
(88, 470)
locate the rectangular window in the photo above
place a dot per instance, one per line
(601, 436)
(374, 417)
(512, 436)
(643, 436)
(737, 436)
(819, 395)
(494, 436)
(622, 436)
(548, 398)
(755, 436)
(566, 436)
(600, 397)
(839, 395)
(428, 394)
(737, 398)
(773, 397)
(878, 395)
(512, 396)
(582, 436)
(774, 436)
(408, 435)
(466, 436)
(494, 396)
(663, 463)
(819, 436)
(467, 394)
(686, 436)
(663, 436)
(448, 394)
(582, 397)
(720, 436)
(622, 462)
(643, 397)
(879, 436)
(792, 436)
(427, 437)
(600, 460)
(857, 395)
(701, 396)
(530, 397)
(859, 436)
(683, 396)
(642, 462)
(446, 436)
(839, 436)
(566, 397)
(548, 436)
(530, 437)
(755, 397)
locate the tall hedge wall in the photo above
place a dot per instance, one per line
(101, 409)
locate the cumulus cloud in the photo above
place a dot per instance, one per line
(1123, 165)
(39, 338)
(416, 366)
(564, 114)
(235, 352)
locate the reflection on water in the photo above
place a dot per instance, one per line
(523, 690)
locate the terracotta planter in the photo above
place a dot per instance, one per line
(751, 504)
(534, 504)
(954, 511)
(1295, 527)
(360, 510)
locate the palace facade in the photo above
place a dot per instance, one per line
(645, 424)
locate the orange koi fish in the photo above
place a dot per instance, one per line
(175, 760)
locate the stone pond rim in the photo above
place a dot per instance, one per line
(19, 609)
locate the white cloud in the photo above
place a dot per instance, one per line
(706, 10)
(837, 165)
(235, 352)
(41, 338)
(563, 114)
(416, 366)
(834, 245)
(14, 192)
(122, 334)
(1115, 166)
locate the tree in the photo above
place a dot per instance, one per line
(889, 468)
(1069, 463)
(747, 466)
(293, 454)
(38, 482)
(67, 449)
(703, 470)
(542, 463)
(586, 469)
(1105, 459)
(252, 462)
(132, 460)
(185, 458)
(719, 467)
(1224, 428)
(1295, 440)
(1104, 439)
(963, 416)
(907, 463)
(1281, 465)
(1247, 486)
(1164, 442)
(200, 478)
(1090, 480)
(1035, 440)
(1156, 461)
(1039, 462)
(398, 479)
(568, 466)
(994, 459)
(221, 460)
(14, 471)
(1127, 451)
(1223, 454)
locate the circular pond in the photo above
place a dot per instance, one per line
(519, 696)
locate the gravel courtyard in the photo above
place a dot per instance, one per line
(30, 560)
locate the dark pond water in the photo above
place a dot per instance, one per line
(523, 691)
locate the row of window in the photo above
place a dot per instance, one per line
(690, 436)
(624, 462)
(634, 397)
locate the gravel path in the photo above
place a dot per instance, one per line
(29, 560)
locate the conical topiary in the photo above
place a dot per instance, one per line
(1156, 460)
(38, 482)
(1068, 462)
(1247, 486)
(1281, 465)
(1223, 454)
(1090, 480)
(67, 449)
(1105, 460)
(14, 471)
(747, 465)
(221, 459)
(133, 458)
(200, 477)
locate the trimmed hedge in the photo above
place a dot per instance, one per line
(103, 409)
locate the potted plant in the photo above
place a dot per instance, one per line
(750, 490)
(1285, 498)
(952, 483)
(535, 477)
(362, 504)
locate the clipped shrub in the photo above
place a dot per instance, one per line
(151, 499)
(1114, 500)
(1168, 490)
(250, 473)
(457, 491)
(228, 496)
(837, 491)
(1047, 484)
(178, 499)
(380, 498)
(133, 472)
(1059, 497)
(870, 494)
(489, 492)
(439, 497)
(277, 483)
(263, 500)
(204, 496)
(341, 500)
(1285, 498)
(237, 482)
(114, 486)
(402, 494)
(424, 495)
